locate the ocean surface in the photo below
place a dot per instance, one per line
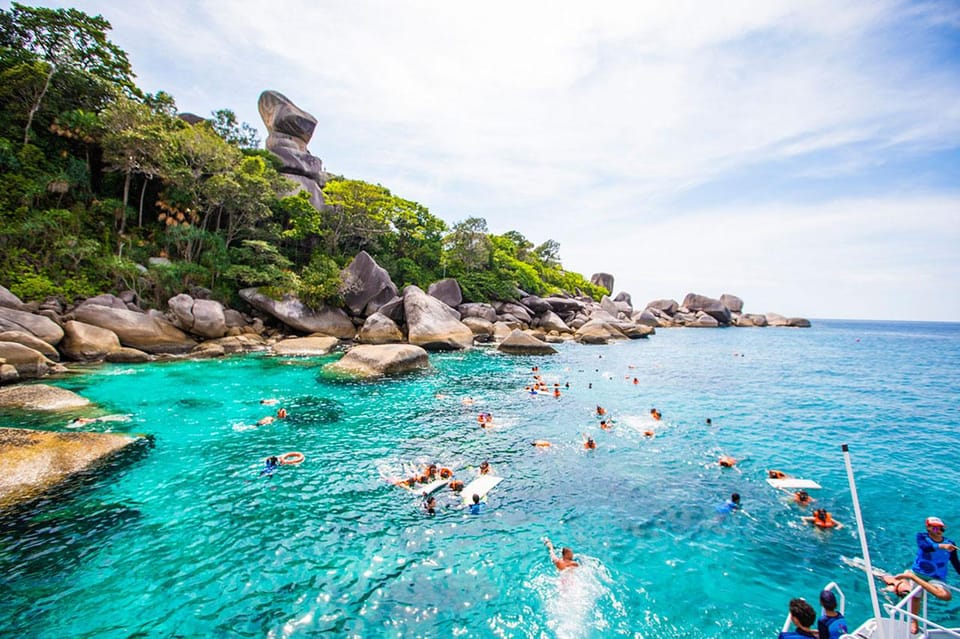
(190, 540)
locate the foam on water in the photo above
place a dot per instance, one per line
(189, 540)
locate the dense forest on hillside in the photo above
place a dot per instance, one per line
(104, 188)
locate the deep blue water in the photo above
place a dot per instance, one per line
(190, 541)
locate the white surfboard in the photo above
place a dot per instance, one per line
(788, 483)
(432, 487)
(479, 486)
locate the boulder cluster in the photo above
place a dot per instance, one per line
(36, 337)
(700, 311)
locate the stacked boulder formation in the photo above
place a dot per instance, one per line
(700, 311)
(289, 129)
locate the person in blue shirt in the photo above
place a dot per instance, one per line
(832, 624)
(476, 507)
(730, 505)
(803, 616)
(271, 464)
(929, 569)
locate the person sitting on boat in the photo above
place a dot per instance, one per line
(730, 505)
(565, 560)
(929, 569)
(822, 519)
(803, 616)
(832, 623)
(803, 498)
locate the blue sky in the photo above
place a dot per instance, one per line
(801, 155)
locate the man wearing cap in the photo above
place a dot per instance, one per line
(832, 624)
(929, 569)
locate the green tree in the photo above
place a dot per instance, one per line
(467, 247)
(239, 134)
(66, 39)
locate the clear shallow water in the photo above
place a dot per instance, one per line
(190, 541)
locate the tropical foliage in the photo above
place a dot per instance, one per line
(104, 188)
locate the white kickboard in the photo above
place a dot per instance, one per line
(793, 482)
(479, 486)
(432, 487)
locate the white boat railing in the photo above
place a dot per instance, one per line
(900, 612)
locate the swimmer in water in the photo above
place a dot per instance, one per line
(485, 468)
(565, 560)
(270, 465)
(266, 420)
(589, 444)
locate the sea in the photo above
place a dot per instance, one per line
(191, 538)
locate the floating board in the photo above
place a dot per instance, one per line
(479, 486)
(788, 483)
(432, 487)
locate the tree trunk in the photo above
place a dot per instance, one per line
(36, 105)
(126, 197)
(143, 194)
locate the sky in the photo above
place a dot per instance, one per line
(804, 156)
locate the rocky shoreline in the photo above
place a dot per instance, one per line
(37, 338)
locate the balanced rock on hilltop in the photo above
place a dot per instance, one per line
(289, 129)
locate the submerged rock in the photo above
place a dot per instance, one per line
(41, 397)
(376, 360)
(36, 461)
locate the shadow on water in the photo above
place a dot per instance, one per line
(312, 411)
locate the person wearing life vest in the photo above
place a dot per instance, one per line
(776, 474)
(803, 498)
(655, 414)
(823, 519)
(726, 461)
(929, 569)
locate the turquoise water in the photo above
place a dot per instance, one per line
(190, 541)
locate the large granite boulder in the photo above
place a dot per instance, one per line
(125, 355)
(393, 309)
(670, 307)
(734, 303)
(28, 362)
(37, 325)
(646, 317)
(375, 360)
(634, 330)
(447, 291)
(708, 305)
(305, 346)
(550, 321)
(561, 305)
(141, 331)
(603, 279)
(430, 324)
(624, 297)
(8, 299)
(480, 327)
(106, 299)
(609, 306)
(520, 343)
(598, 331)
(798, 322)
(703, 320)
(366, 286)
(40, 397)
(517, 311)
(775, 319)
(289, 129)
(300, 317)
(203, 318)
(36, 461)
(502, 330)
(246, 343)
(536, 304)
(379, 329)
(86, 342)
(477, 309)
(31, 341)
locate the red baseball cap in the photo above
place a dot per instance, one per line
(936, 521)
